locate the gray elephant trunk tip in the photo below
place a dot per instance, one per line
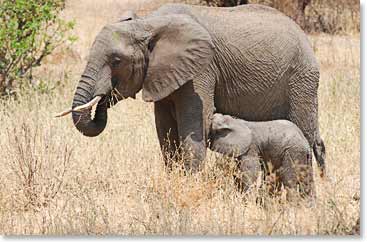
(88, 126)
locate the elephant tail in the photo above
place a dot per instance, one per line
(320, 154)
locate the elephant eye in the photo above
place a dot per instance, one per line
(115, 62)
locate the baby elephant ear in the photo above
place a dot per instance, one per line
(221, 122)
(128, 15)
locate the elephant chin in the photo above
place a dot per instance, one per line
(86, 125)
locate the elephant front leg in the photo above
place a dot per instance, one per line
(193, 113)
(249, 170)
(166, 126)
(192, 137)
(192, 152)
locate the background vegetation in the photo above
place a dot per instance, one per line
(29, 31)
(55, 181)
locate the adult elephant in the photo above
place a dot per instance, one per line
(252, 62)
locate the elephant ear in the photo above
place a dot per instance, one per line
(220, 122)
(232, 137)
(180, 49)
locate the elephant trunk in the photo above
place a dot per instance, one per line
(83, 120)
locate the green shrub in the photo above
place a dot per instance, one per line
(29, 31)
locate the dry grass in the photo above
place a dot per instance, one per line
(55, 181)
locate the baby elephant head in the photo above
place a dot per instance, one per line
(220, 122)
(229, 136)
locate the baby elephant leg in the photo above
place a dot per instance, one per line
(249, 169)
(296, 173)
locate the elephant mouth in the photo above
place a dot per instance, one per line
(115, 96)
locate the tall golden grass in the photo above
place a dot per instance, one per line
(55, 181)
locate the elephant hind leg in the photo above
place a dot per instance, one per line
(303, 111)
(296, 173)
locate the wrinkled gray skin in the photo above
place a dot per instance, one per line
(279, 143)
(251, 62)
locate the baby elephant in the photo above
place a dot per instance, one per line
(280, 144)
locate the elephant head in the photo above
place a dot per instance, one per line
(229, 136)
(155, 54)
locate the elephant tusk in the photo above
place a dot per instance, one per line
(66, 112)
(80, 108)
(88, 105)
